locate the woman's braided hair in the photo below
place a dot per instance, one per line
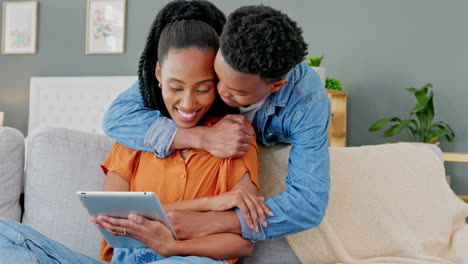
(199, 13)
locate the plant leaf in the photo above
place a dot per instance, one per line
(429, 109)
(438, 127)
(412, 89)
(379, 124)
(416, 125)
(422, 98)
(389, 132)
(434, 135)
(451, 135)
(404, 124)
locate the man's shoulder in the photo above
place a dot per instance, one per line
(304, 85)
(132, 93)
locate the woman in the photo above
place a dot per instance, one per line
(180, 50)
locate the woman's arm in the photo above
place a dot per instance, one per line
(243, 196)
(116, 183)
(158, 237)
(217, 246)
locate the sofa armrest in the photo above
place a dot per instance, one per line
(11, 172)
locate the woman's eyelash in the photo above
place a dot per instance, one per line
(198, 90)
(203, 91)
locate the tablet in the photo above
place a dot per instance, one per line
(120, 205)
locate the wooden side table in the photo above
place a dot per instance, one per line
(456, 157)
(337, 128)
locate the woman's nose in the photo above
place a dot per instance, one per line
(188, 102)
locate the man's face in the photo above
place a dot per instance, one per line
(237, 88)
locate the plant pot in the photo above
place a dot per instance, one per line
(322, 73)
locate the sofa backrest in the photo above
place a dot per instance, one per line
(61, 162)
(73, 102)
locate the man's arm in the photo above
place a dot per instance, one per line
(131, 123)
(302, 206)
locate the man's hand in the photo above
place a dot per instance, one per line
(230, 137)
(243, 196)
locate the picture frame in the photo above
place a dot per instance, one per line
(105, 26)
(19, 27)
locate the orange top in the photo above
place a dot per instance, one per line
(173, 178)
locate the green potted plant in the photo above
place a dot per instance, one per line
(421, 128)
(333, 84)
(314, 63)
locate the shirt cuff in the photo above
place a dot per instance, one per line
(160, 136)
(249, 233)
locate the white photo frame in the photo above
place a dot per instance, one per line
(19, 27)
(105, 26)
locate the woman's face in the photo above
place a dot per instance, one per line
(188, 83)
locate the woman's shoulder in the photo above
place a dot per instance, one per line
(123, 150)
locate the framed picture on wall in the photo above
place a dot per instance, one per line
(19, 27)
(105, 26)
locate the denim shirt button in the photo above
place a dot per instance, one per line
(271, 137)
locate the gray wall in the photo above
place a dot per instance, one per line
(376, 48)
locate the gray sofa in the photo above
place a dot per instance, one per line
(60, 162)
(387, 202)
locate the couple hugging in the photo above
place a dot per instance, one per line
(208, 88)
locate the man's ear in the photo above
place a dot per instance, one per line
(277, 85)
(157, 72)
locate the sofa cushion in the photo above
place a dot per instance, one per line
(61, 162)
(11, 172)
(273, 166)
(388, 204)
(275, 251)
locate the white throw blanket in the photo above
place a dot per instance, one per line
(388, 204)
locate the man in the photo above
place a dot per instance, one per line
(261, 71)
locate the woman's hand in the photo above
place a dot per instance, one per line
(243, 196)
(154, 234)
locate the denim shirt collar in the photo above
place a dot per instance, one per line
(281, 98)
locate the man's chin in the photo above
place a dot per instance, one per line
(232, 104)
(229, 102)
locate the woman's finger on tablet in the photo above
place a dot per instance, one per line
(115, 230)
(113, 225)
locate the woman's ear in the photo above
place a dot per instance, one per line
(157, 72)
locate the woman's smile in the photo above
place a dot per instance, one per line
(187, 116)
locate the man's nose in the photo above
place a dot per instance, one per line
(223, 91)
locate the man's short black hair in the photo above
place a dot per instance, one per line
(261, 40)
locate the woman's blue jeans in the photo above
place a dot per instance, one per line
(20, 244)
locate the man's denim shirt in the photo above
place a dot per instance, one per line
(298, 114)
